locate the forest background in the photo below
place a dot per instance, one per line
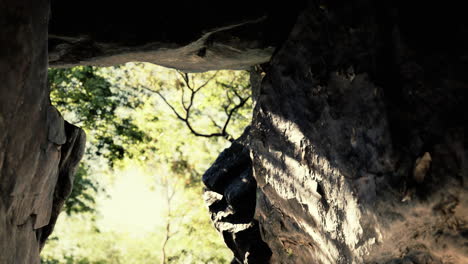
(151, 133)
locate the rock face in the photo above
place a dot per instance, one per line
(230, 195)
(358, 139)
(186, 35)
(357, 151)
(38, 149)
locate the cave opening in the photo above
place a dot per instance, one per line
(357, 141)
(151, 134)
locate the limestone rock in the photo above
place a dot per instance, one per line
(353, 95)
(186, 35)
(38, 150)
(356, 94)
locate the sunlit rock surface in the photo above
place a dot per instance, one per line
(358, 144)
(358, 139)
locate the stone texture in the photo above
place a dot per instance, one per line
(186, 35)
(357, 146)
(38, 150)
(230, 196)
(350, 103)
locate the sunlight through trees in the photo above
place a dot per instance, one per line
(152, 132)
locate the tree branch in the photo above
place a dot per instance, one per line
(207, 81)
(214, 122)
(233, 110)
(187, 106)
(182, 99)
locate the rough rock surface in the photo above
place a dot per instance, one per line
(357, 145)
(230, 196)
(358, 139)
(187, 35)
(38, 150)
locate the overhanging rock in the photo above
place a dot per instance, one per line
(186, 35)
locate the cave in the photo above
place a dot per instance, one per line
(356, 152)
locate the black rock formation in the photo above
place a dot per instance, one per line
(230, 195)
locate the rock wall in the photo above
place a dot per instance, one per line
(230, 195)
(357, 148)
(358, 140)
(38, 149)
(186, 35)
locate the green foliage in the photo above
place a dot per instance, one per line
(69, 259)
(86, 99)
(127, 122)
(170, 139)
(82, 198)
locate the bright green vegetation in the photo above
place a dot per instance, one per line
(138, 193)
